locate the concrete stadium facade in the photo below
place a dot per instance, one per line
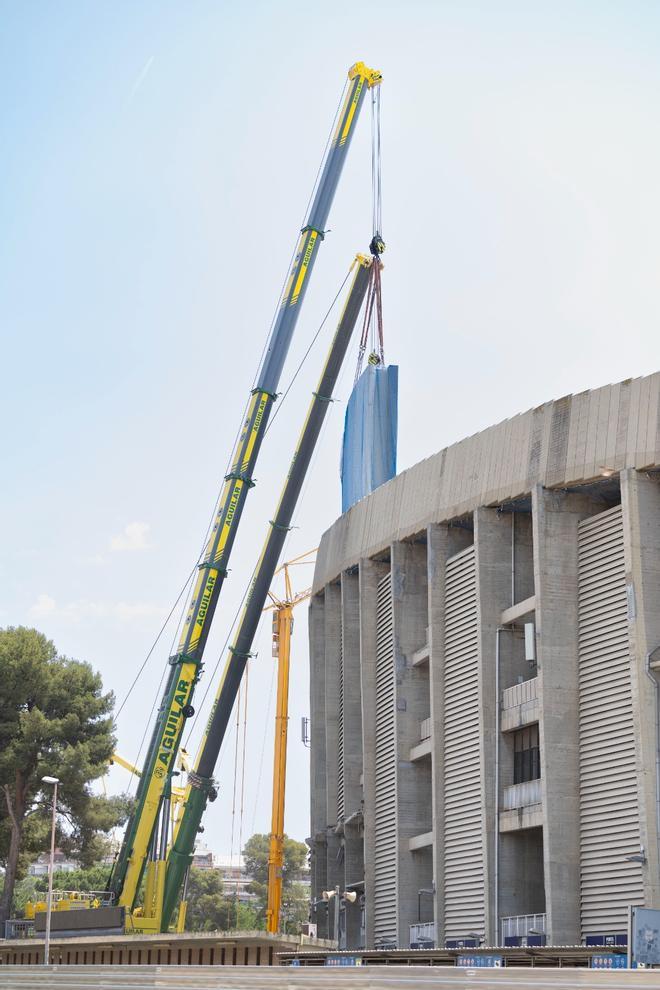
(484, 702)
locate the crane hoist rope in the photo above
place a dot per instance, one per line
(246, 681)
(372, 327)
(209, 680)
(149, 820)
(237, 737)
(273, 417)
(377, 246)
(284, 395)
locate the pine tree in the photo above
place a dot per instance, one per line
(55, 721)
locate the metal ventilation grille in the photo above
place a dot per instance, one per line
(385, 898)
(463, 855)
(340, 732)
(609, 819)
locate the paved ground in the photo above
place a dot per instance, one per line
(313, 978)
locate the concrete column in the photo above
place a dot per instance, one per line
(332, 632)
(555, 520)
(522, 582)
(412, 704)
(442, 542)
(437, 541)
(354, 871)
(492, 538)
(350, 618)
(640, 497)
(335, 859)
(352, 703)
(370, 573)
(317, 759)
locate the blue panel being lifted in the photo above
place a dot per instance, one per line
(368, 457)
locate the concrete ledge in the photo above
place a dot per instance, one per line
(524, 714)
(421, 656)
(510, 615)
(520, 818)
(420, 841)
(421, 750)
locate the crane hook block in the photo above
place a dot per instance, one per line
(377, 245)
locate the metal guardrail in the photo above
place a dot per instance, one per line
(520, 925)
(519, 694)
(423, 932)
(521, 795)
(19, 928)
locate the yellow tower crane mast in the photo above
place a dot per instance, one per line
(282, 628)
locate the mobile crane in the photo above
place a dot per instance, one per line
(146, 838)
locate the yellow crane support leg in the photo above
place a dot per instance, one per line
(282, 620)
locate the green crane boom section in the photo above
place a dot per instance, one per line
(185, 665)
(201, 785)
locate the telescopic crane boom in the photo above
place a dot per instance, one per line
(201, 786)
(145, 835)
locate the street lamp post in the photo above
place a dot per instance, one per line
(49, 903)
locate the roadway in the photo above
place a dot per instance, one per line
(318, 978)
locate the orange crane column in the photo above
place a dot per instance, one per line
(282, 622)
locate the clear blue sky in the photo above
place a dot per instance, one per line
(156, 161)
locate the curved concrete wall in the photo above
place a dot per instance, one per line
(559, 444)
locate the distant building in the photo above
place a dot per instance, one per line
(235, 879)
(485, 658)
(203, 858)
(62, 863)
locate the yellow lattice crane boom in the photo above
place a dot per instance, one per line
(282, 629)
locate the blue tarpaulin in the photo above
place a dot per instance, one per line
(368, 456)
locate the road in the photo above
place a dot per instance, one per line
(313, 978)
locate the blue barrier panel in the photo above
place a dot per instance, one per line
(480, 962)
(608, 960)
(343, 960)
(370, 434)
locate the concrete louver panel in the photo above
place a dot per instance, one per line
(385, 826)
(463, 880)
(609, 815)
(566, 442)
(340, 733)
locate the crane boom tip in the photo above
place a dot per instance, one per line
(373, 77)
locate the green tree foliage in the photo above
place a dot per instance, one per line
(92, 878)
(295, 907)
(26, 890)
(55, 721)
(209, 909)
(255, 854)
